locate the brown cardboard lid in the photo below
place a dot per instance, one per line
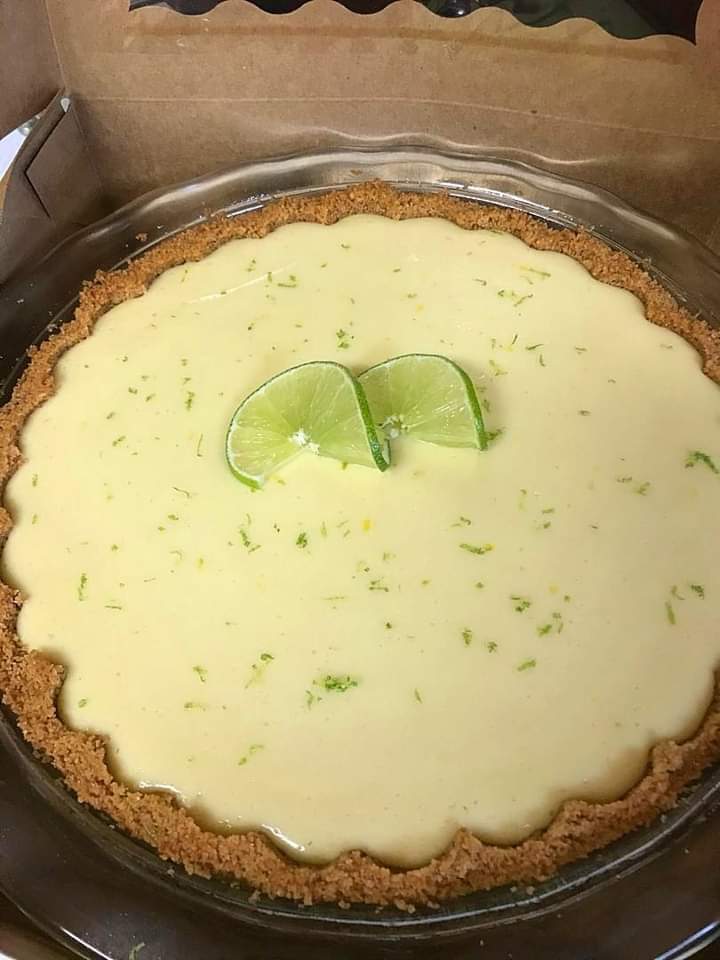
(31, 74)
(162, 97)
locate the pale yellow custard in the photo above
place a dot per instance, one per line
(502, 630)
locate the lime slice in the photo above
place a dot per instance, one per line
(318, 408)
(425, 396)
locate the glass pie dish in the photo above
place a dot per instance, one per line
(652, 894)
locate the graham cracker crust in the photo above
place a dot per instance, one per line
(30, 682)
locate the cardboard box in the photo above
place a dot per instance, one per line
(156, 97)
(135, 101)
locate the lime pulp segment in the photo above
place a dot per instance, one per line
(317, 407)
(425, 396)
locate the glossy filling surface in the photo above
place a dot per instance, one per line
(350, 659)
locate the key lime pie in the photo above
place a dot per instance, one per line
(384, 677)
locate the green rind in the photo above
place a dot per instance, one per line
(382, 459)
(475, 407)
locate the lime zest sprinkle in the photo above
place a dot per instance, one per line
(698, 589)
(642, 488)
(201, 672)
(119, 440)
(302, 540)
(113, 606)
(258, 668)
(623, 479)
(379, 584)
(462, 522)
(670, 613)
(194, 705)
(323, 529)
(580, 349)
(527, 664)
(189, 399)
(337, 683)
(416, 694)
(82, 587)
(108, 416)
(467, 636)
(480, 550)
(498, 371)
(535, 346)
(34, 519)
(83, 702)
(521, 604)
(538, 273)
(541, 360)
(198, 448)
(584, 413)
(544, 630)
(491, 646)
(516, 298)
(311, 698)
(252, 749)
(493, 435)
(675, 593)
(697, 456)
(343, 339)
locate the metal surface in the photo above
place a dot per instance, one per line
(100, 892)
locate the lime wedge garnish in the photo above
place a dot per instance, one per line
(425, 396)
(317, 408)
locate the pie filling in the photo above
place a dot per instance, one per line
(350, 659)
